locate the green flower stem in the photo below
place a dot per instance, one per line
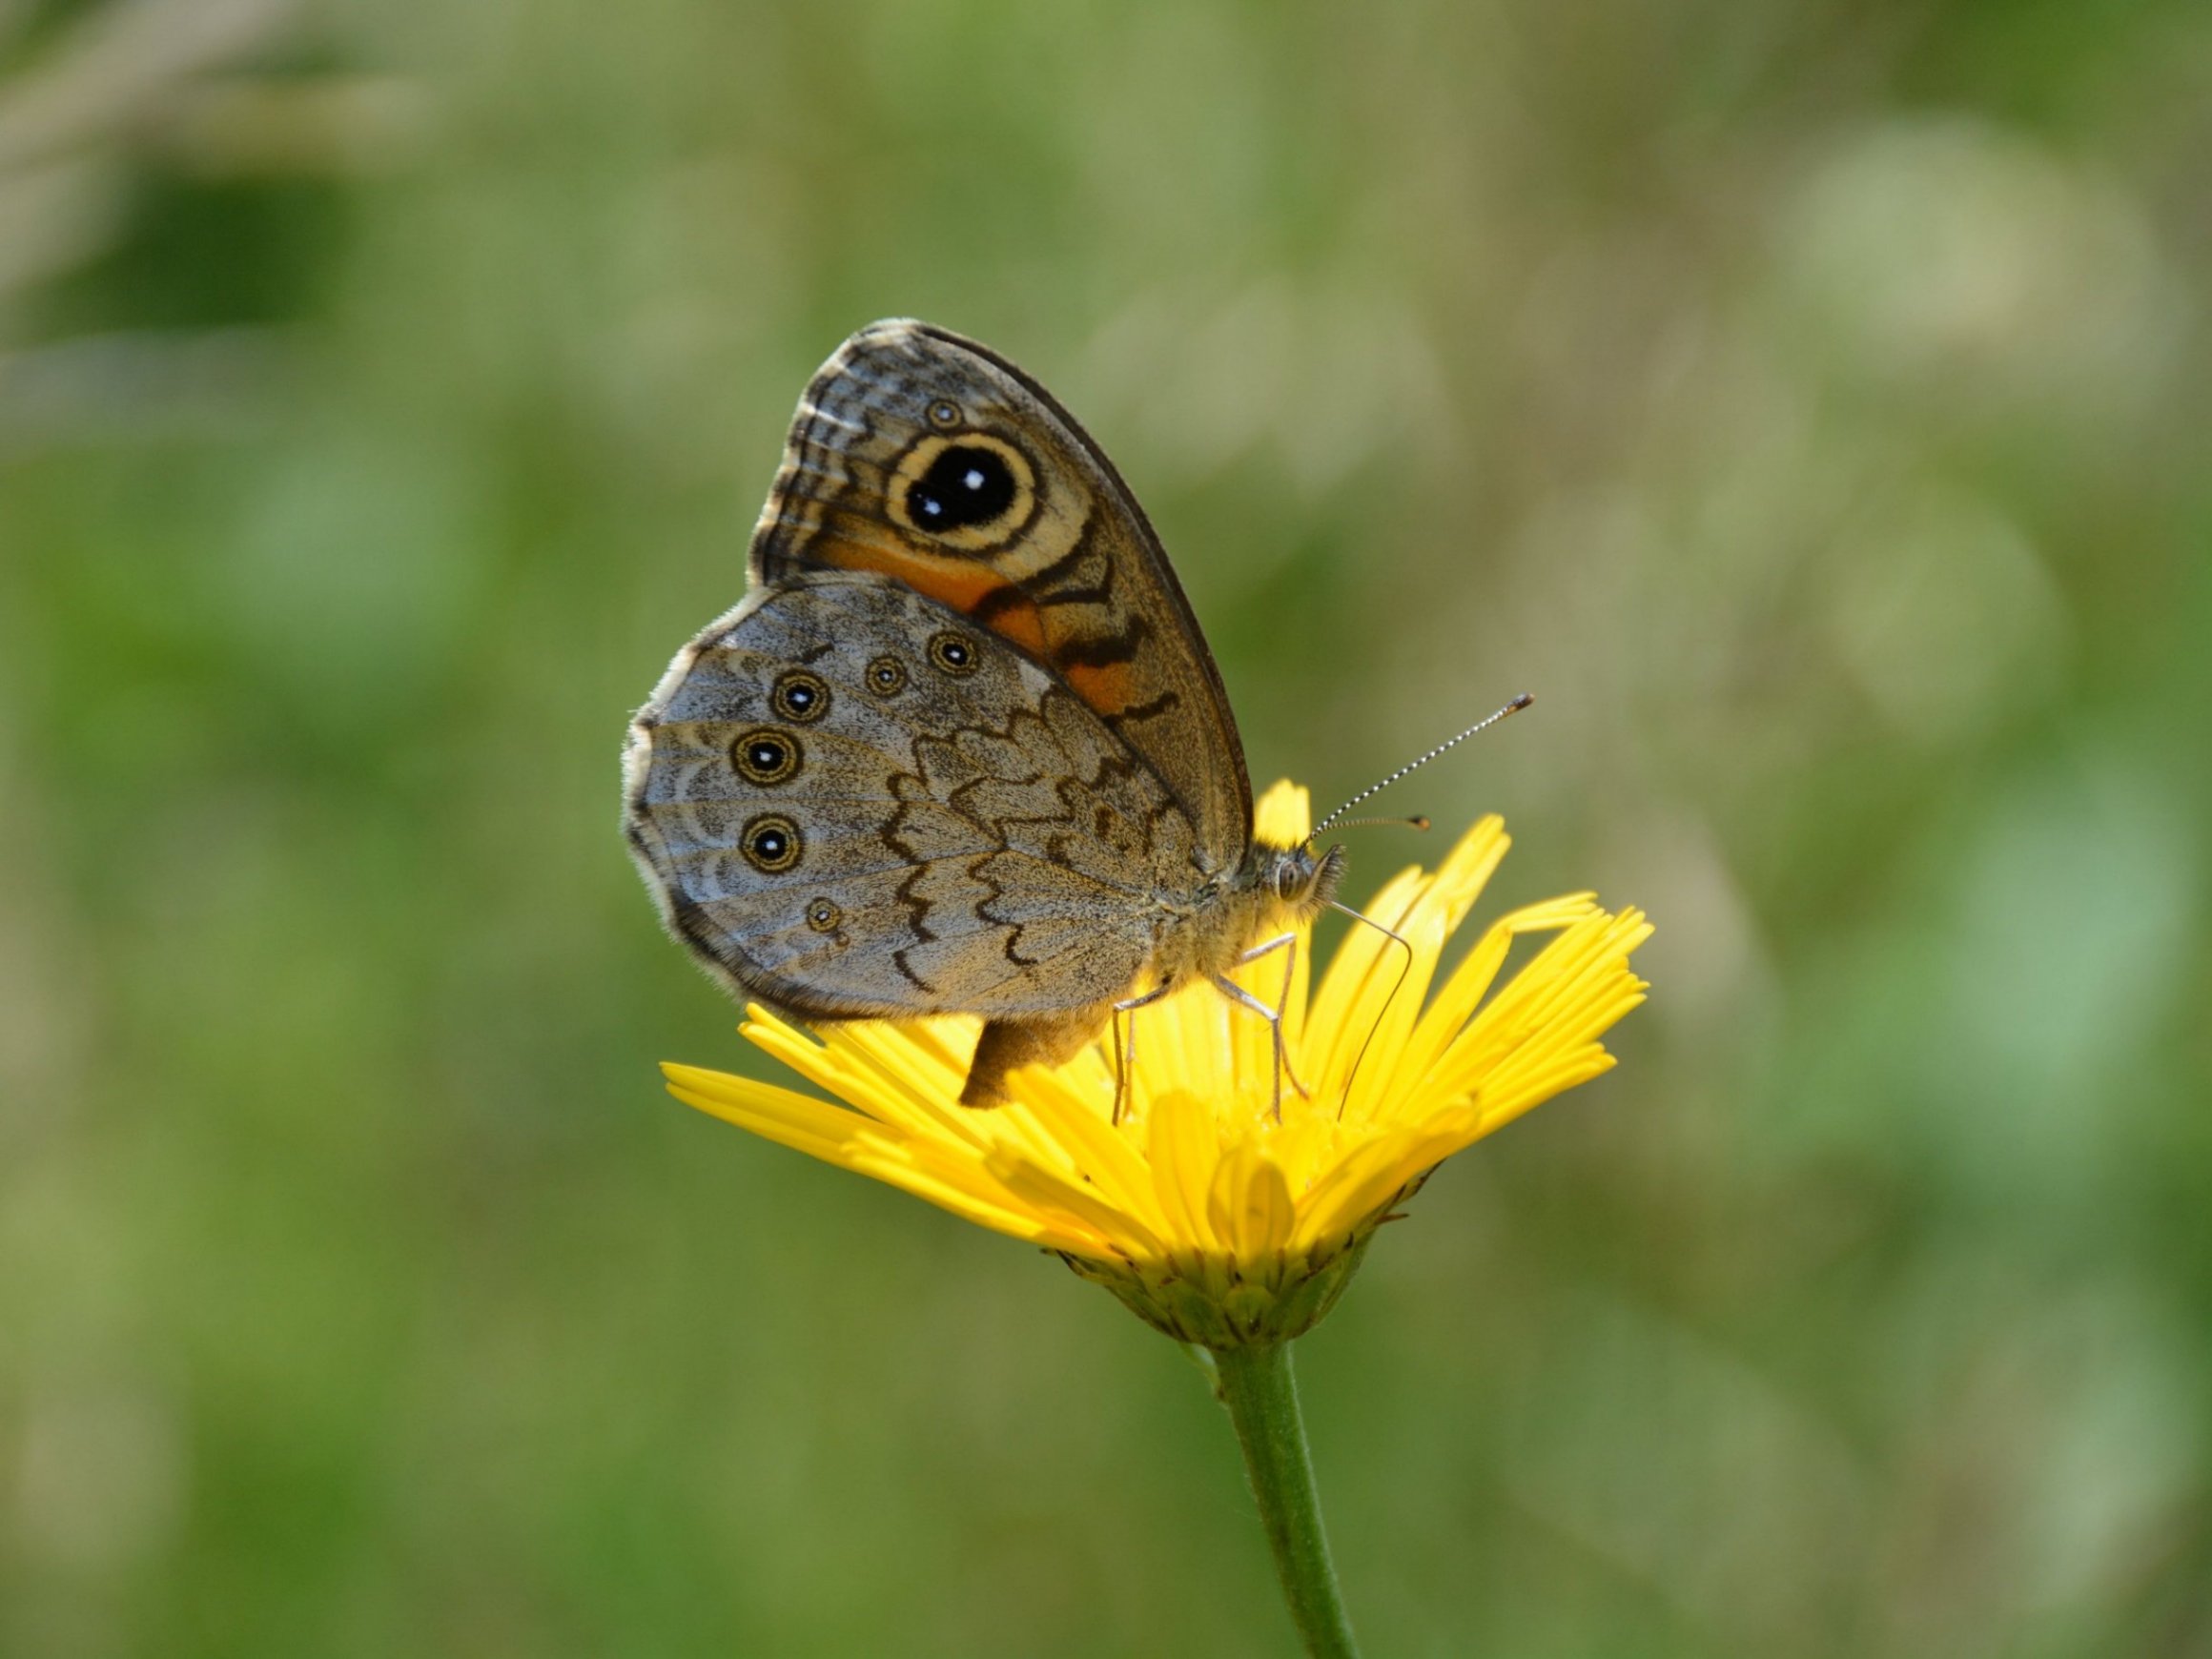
(1256, 1386)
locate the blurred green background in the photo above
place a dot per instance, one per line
(1808, 402)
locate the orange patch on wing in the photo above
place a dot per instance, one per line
(965, 585)
(1105, 689)
(1021, 622)
(962, 585)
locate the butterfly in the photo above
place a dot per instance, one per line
(961, 748)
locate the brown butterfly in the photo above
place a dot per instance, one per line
(962, 747)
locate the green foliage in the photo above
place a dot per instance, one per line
(1807, 402)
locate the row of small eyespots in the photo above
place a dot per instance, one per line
(768, 756)
(805, 698)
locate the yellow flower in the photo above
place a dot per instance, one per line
(1213, 1220)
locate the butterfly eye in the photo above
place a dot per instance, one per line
(886, 676)
(766, 756)
(800, 696)
(944, 412)
(954, 654)
(822, 916)
(770, 843)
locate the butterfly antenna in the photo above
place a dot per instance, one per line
(1418, 821)
(1513, 708)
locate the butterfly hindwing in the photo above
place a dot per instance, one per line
(931, 460)
(854, 802)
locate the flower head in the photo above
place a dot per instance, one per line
(1214, 1218)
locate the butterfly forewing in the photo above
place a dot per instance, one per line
(930, 460)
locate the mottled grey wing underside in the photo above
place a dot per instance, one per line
(854, 802)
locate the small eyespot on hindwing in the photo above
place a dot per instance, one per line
(954, 653)
(770, 843)
(800, 696)
(766, 756)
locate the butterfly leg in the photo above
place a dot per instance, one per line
(1243, 998)
(1287, 944)
(1125, 1061)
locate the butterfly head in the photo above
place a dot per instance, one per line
(1299, 882)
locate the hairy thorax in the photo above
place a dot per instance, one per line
(1204, 932)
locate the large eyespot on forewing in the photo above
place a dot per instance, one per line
(970, 491)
